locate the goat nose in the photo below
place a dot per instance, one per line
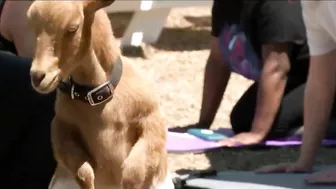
(37, 77)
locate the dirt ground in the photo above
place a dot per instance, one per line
(176, 65)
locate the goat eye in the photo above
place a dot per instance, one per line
(73, 28)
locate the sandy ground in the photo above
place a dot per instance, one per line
(176, 65)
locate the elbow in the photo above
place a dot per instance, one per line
(276, 68)
(277, 71)
(276, 62)
(275, 75)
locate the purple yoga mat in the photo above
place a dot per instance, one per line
(184, 142)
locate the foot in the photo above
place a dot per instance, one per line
(184, 129)
(323, 177)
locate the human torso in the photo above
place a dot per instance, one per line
(245, 45)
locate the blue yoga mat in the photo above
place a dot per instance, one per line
(250, 180)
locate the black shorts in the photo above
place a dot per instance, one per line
(6, 45)
(26, 157)
(225, 12)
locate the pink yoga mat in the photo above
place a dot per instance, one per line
(184, 142)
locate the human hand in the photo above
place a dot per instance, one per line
(248, 138)
(323, 177)
(296, 167)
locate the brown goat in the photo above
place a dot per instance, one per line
(108, 132)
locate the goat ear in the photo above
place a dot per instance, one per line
(91, 6)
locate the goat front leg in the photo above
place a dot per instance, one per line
(146, 161)
(70, 154)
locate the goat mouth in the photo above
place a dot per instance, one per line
(48, 84)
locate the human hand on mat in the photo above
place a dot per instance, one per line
(296, 167)
(248, 138)
(323, 177)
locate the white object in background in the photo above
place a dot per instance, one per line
(149, 23)
(136, 39)
(146, 5)
(149, 17)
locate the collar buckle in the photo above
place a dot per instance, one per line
(93, 101)
(96, 95)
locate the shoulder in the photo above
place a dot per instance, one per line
(277, 11)
(280, 12)
(276, 21)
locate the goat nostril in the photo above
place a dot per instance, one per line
(37, 77)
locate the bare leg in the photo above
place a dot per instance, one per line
(216, 78)
(25, 142)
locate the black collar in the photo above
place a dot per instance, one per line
(94, 95)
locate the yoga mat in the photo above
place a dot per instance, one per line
(250, 180)
(184, 142)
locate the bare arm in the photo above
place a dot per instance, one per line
(318, 100)
(277, 31)
(319, 92)
(216, 78)
(271, 87)
(14, 21)
(321, 83)
(319, 97)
